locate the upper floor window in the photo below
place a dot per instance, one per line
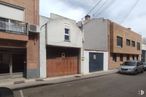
(12, 12)
(127, 42)
(119, 41)
(67, 34)
(138, 46)
(133, 43)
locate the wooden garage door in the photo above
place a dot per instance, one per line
(62, 66)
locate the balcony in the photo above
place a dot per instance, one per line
(13, 26)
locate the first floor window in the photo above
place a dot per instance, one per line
(133, 43)
(67, 35)
(119, 41)
(127, 42)
(138, 46)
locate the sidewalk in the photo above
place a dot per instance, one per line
(19, 83)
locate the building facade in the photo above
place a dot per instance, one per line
(143, 56)
(107, 45)
(125, 44)
(19, 38)
(61, 42)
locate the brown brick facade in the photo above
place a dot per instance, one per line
(19, 37)
(117, 55)
(29, 40)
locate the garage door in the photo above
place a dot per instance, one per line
(62, 61)
(95, 62)
(62, 66)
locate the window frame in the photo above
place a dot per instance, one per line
(66, 34)
(133, 43)
(138, 46)
(119, 41)
(128, 42)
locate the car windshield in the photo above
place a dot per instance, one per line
(129, 63)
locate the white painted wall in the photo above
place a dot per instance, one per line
(85, 65)
(56, 32)
(55, 37)
(11, 13)
(43, 58)
(143, 47)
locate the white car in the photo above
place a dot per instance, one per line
(131, 67)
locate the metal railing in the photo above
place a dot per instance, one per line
(13, 27)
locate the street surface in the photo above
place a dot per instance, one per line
(112, 85)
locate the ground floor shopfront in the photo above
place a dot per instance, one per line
(19, 57)
(115, 59)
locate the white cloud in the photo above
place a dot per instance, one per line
(116, 10)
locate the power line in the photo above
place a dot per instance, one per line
(100, 8)
(105, 8)
(135, 4)
(94, 6)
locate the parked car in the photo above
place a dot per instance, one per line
(144, 63)
(131, 67)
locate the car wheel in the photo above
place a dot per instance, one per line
(136, 72)
(142, 71)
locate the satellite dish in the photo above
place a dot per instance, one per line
(6, 92)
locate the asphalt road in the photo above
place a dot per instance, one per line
(113, 85)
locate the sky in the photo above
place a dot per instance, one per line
(129, 13)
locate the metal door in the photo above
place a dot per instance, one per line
(95, 62)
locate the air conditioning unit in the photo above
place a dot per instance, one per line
(33, 28)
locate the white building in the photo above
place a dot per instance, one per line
(60, 46)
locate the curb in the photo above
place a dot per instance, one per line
(23, 84)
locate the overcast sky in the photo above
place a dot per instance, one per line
(130, 13)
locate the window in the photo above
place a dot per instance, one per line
(128, 57)
(67, 35)
(119, 42)
(133, 43)
(127, 42)
(121, 57)
(138, 46)
(114, 57)
(133, 57)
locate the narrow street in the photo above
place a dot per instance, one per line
(113, 85)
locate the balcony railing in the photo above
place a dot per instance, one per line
(13, 27)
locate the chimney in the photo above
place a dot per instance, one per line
(87, 17)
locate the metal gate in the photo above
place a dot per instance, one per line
(95, 62)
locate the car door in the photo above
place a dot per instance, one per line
(138, 66)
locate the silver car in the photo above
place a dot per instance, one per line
(144, 63)
(131, 67)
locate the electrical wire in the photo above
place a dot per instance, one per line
(135, 4)
(100, 8)
(105, 8)
(99, 1)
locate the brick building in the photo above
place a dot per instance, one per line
(19, 38)
(108, 44)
